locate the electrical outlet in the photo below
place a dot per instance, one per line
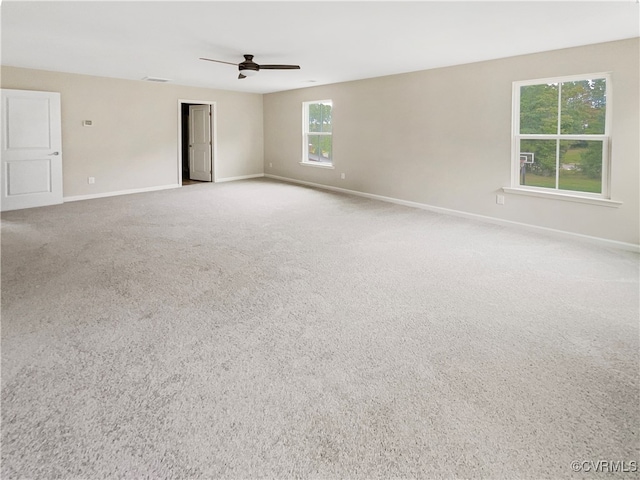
(270, 165)
(342, 176)
(91, 180)
(500, 199)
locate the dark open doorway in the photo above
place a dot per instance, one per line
(187, 174)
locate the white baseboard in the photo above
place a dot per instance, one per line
(447, 211)
(243, 177)
(75, 198)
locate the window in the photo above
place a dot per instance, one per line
(561, 135)
(317, 141)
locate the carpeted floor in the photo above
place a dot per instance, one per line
(258, 329)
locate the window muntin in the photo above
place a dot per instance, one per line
(317, 133)
(561, 135)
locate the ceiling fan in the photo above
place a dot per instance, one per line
(249, 68)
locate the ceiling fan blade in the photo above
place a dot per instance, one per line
(218, 61)
(241, 76)
(279, 67)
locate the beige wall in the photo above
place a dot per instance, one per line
(133, 143)
(442, 137)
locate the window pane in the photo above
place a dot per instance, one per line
(320, 147)
(581, 166)
(583, 107)
(320, 117)
(313, 148)
(539, 108)
(538, 163)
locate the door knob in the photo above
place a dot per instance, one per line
(55, 153)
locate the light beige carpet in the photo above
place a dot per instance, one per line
(258, 329)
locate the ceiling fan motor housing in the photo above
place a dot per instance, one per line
(248, 66)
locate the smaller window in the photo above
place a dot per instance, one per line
(317, 140)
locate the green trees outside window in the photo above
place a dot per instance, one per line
(562, 137)
(318, 132)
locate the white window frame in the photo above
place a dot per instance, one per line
(305, 135)
(602, 198)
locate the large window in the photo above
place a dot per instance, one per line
(317, 141)
(561, 135)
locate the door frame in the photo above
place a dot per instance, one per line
(214, 136)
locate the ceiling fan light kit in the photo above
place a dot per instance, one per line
(249, 68)
(247, 72)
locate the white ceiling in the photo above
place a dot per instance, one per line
(331, 41)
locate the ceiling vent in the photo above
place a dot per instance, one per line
(156, 79)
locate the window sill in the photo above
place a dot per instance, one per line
(562, 196)
(318, 165)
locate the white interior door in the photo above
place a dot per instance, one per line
(31, 170)
(200, 142)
